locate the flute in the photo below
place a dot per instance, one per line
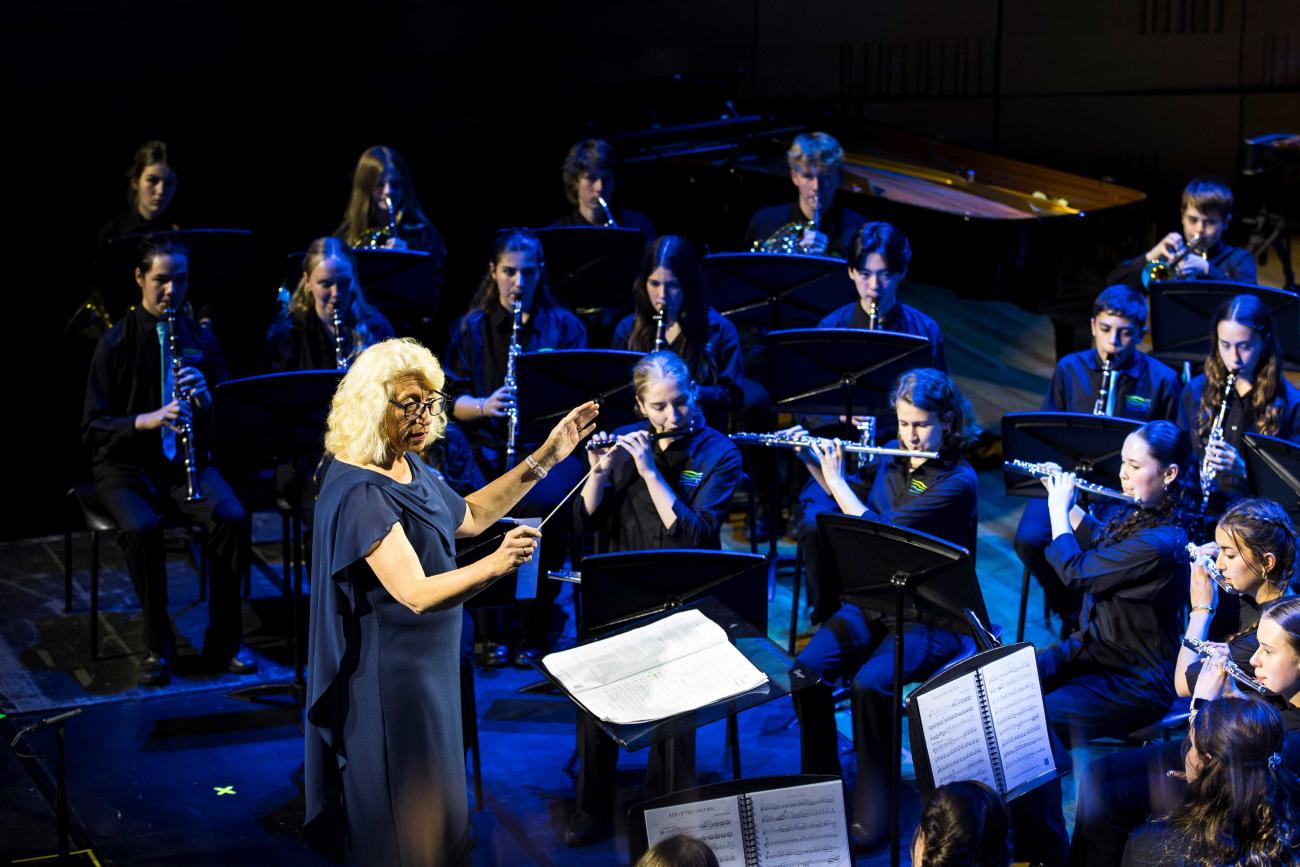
(1206, 562)
(1040, 471)
(802, 442)
(1229, 667)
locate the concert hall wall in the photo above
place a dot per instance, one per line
(269, 105)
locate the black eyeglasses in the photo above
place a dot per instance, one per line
(413, 409)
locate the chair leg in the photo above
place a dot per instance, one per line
(794, 601)
(286, 553)
(94, 596)
(1024, 604)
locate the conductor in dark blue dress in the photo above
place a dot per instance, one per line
(384, 765)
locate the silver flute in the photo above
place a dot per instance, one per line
(185, 430)
(777, 440)
(1206, 562)
(1236, 672)
(512, 414)
(1040, 471)
(1216, 435)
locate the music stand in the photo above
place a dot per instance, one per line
(264, 421)
(911, 576)
(552, 382)
(774, 289)
(591, 267)
(401, 283)
(1273, 469)
(218, 257)
(1181, 311)
(784, 673)
(840, 370)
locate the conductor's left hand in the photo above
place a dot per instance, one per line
(566, 435)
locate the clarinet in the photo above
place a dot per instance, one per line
(1216, 434)
(1100, 407)
(512, 414)
(184, 436)
(659, 328)
(872, 316)
(340, 354)
(609, 215)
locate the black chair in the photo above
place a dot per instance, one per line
(82, 501)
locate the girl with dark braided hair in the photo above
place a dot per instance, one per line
(1244, 342)
(1115, 674)
(1255, 550)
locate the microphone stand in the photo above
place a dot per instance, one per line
(60, 777)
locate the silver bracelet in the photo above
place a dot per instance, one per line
(537, 468)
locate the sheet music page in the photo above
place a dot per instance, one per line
(620, 656)
(1019, 721)
(674, 687)
(801, 825)
(671, 666)
(716, 822)
(953, 725)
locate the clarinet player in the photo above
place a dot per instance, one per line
(138, 402)
(477, 361)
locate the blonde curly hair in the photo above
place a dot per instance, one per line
(355, 429)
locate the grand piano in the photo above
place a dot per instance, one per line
(983, 225)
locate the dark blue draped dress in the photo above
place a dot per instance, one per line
(384, 767)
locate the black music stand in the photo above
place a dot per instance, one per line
(591, 267)
(911, 576)
(1087, 445)
(552, 382)
(264, 421)
(401, 283)
(784, 673)
(840, 370)
(774, 289)
(1181, 311)
(218, 266)
(1273, 469)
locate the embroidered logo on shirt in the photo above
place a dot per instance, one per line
(916, 487)
(691, 478)
(1138, 404)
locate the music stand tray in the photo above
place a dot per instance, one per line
(591, 267)
(840, 370)
(1181, 311)
(765, 289)
(1273, 468)
(1086, 445)
(552, 382)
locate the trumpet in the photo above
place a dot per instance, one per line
(1105, 404)
(778, 440)
(1207, 563)
(512, 414)
(1157, 270)
(185, 434)
(609, 215)
(1231, 668)
(1216, 435)
(659, 328)
(340, 352)
(1039, 471)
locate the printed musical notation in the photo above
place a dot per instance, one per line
(954, 733)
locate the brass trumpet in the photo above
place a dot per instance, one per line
(1157, 270)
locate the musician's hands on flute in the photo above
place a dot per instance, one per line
(1203, 591)
(830, 457)
(1061, 492)
(517, 548)
(1213, 681)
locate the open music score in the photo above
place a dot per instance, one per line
(983, 720)
(791, 826)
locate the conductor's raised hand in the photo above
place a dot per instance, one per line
(517, 548)
(566, 435)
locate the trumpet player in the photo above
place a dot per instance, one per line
(477, 360)
(135, 406)
(1112, 377)
(1244, 347)
(1205, 213)
(1254, 550)
(816, 164)
(937, 496)
(588, 174)
(879, 255)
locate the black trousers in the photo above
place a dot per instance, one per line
(139, 501)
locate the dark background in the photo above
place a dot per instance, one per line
(269, 105)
